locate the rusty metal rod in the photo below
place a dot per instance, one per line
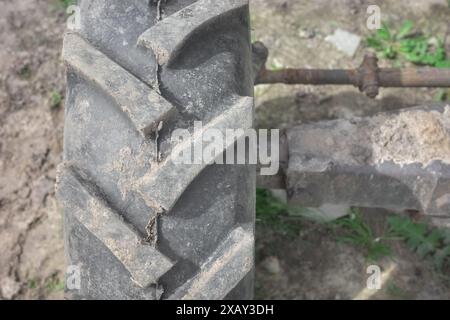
(413, 77)
(307, 76)
(368, 77)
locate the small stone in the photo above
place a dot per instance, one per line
(306, 33)
(344, 41)
(272, 265)
(9, 288)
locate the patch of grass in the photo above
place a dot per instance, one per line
(272, 212)
(441, 95)
(358, 233)
(55, 99)
(425, 241)
(32, 284)
(276, 65)
(405, 45)
(67, 3)
(25, 72)
(395, 291)
(54, 284)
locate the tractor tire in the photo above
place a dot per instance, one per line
(137, 225)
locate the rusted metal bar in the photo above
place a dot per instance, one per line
(368, 77)
(414, 77)
(307, 76)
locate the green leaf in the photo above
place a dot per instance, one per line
(384, 33)
(389, 53)
(442, 64)
(419, 50)
(375, 43)
(67, 3)
(358, 233)
(440, 51)
(413, 233)
(377, 251)
(407, 45)
(425, 249)
(55, 99)
(270, 212)
(268, 206)
(441, 95)
(416, 235)
(405, 29)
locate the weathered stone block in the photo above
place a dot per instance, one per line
(395, 160)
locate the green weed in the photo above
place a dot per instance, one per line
(412, 47)
(395, 291)
(272, 212)
(358, 233)
(55, 99)
(425, 241)
(442, 95)
(25, 72)
(54, 284)
(32, 284)
(67, 3)
(422, 239)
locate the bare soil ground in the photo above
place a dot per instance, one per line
(312, 265)
(31, 260)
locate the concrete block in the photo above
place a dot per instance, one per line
(394, 160)
(344, 41)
